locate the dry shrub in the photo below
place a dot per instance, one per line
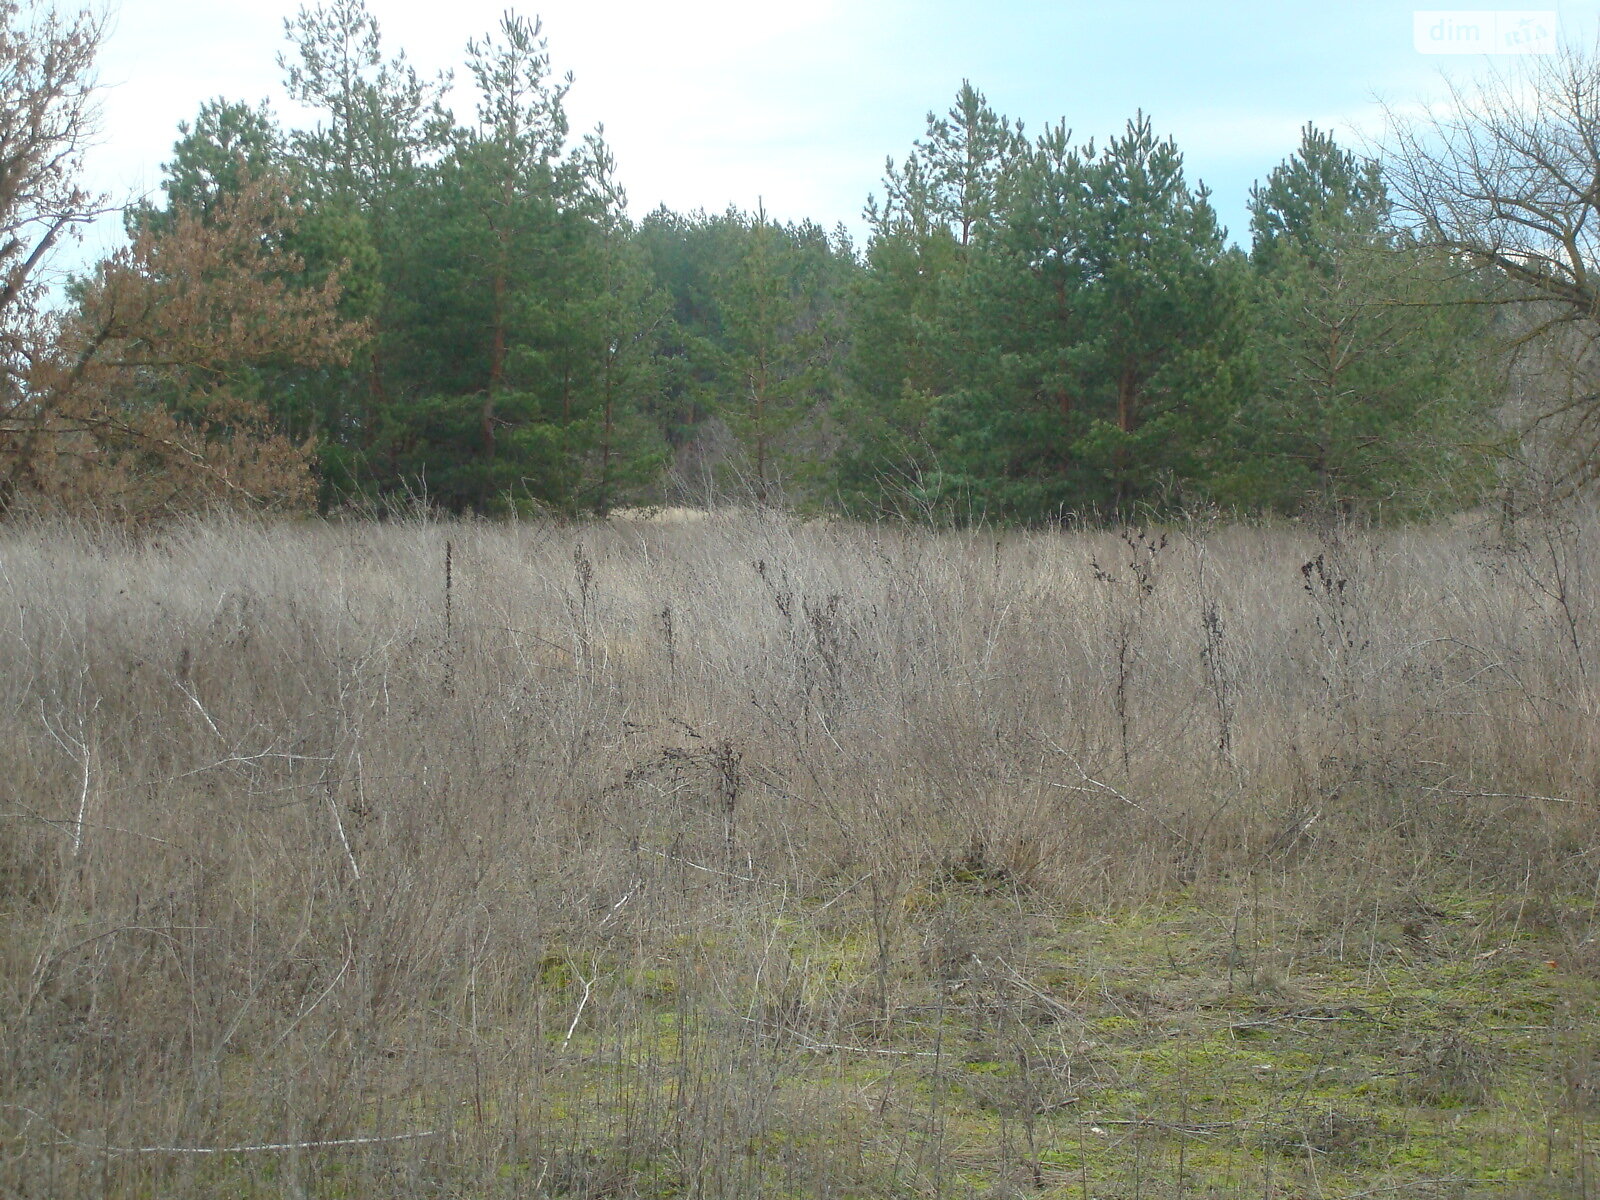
(575, 862)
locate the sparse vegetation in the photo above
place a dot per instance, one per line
(748, 857)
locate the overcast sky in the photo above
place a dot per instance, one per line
(715, 102)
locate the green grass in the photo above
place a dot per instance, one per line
(1135, 1049)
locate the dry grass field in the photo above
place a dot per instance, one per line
(748, 858)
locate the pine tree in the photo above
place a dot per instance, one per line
(907, 345)
(780, 337)
(227, 144)
(533, 321)
(1007, 427)
(1372, 393)
(1318, 198)
(1103, 322)
(954, 180)
(483, 336)
(625, 315)
(146, 398)
(380, 126)
(381, 120)
(227, 149)
(1162, 365)
(690, 255)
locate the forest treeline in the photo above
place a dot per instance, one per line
(400, 303)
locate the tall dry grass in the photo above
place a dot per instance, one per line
(388, 886)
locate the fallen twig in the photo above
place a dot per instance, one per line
(258, 1148)
(67, 1139)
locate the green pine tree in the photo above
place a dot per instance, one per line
(1373, 392)
(484, 341)
(907, 348)
(379, 126)
(779, 342)
(1103, 326)
(624, 315)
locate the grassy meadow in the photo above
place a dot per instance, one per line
(746, 857)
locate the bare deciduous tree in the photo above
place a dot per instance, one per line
(1505, 177)
(46, 119)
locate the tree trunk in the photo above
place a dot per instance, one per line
(1127, 422)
